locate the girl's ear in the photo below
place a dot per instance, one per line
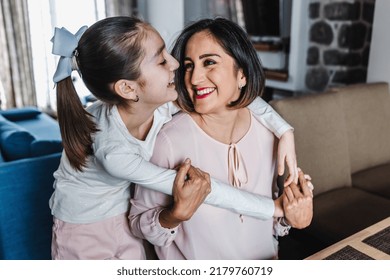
(126, 89)
(241, 79)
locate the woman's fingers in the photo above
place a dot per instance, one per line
(295, 193)
(306, 190)
(192, 186)
(289, 194)
(182, 172)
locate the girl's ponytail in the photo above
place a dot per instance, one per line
(76, 125)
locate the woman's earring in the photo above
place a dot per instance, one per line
(137, 99)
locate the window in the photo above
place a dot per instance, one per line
(44, 15)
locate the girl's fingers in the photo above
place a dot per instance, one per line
(289, 180)
(281, 164)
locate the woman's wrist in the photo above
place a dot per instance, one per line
(167, 219)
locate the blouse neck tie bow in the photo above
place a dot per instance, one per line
(237, 170)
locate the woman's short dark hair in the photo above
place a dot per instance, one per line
(236, 43)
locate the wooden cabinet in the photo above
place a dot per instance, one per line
(293, 78)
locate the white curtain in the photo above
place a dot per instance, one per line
(15, 55)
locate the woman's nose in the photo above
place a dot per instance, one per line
(197, 76)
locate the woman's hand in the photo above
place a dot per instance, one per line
(286, 154)
(190, 188)
(298, 202)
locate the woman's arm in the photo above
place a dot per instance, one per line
(156, 217)
(145, 210)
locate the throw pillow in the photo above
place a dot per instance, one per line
(14, 140)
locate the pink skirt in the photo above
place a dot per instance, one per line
(108, 239)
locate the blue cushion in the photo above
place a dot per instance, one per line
(14, 140)
(18, 114)
(45, 147)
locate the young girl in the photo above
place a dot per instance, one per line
(124, 63)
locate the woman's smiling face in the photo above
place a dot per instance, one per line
(211, 78)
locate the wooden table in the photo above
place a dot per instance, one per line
(356, 247)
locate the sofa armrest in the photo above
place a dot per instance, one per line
(25, 217)
(19, 114)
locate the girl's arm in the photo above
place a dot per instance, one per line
(267, 116)
(131, 166)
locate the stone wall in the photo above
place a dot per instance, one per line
(339, 42)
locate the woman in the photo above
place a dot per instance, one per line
(219, 76)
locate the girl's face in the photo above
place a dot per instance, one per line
(211, 78)
(157, 72)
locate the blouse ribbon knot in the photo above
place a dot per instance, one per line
(237, 171)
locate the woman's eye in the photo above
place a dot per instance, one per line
(208, 62)
(188, 66)
(163, 62)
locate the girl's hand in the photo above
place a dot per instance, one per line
(286, 154)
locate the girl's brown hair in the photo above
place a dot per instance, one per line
(109, 50)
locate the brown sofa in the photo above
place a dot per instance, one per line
(343, 141)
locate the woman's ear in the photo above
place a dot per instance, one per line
(126, 89)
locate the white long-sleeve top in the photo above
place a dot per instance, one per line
(102, 190)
